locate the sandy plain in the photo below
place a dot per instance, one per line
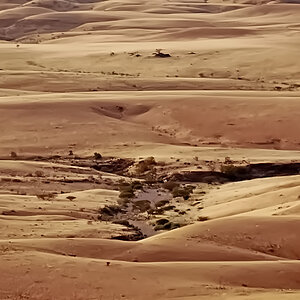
(194, 107)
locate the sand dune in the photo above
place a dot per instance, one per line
(260, 194)
(103, 104)
(59, 279)
(82, 120)
(264, 234)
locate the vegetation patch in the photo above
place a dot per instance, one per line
(109, 211)
(46, 196)
(162, 203)
(142, 205)
(127, 190)
(202, 219)
(167, 226)
(145, 166)
(184, 192)
(170, 185)
(235, 172)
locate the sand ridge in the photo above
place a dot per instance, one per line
(129, 130)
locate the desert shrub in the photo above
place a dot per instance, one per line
(158, 53)
(162, 221)
(46, 196)
(190, 188)
(130, 186)
(166, 208)
(202, 219)
(161, 210)
(150, 160)
(122, 222)
(211, 165)
(184, 192)
(125, 186)
(110, 210)
(13, 154)
(126, 194)
(16, 180)
(150, 177)
(234, 172)
(39, 173)
(91, 178)
(228, 160)
(167, 226)
(137, 185)
(127, 189)
(5, 179)
(162, 203)
(161, 163)
(145, 165)
(123, 202)
(175, 225)
(170, 185)
(97, 156)
(142, 205)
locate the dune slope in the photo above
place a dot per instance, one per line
(127, 131)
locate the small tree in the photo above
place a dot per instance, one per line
(13, 154)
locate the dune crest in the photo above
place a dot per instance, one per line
(149, 149)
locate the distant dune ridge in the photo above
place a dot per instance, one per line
(103, 97)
